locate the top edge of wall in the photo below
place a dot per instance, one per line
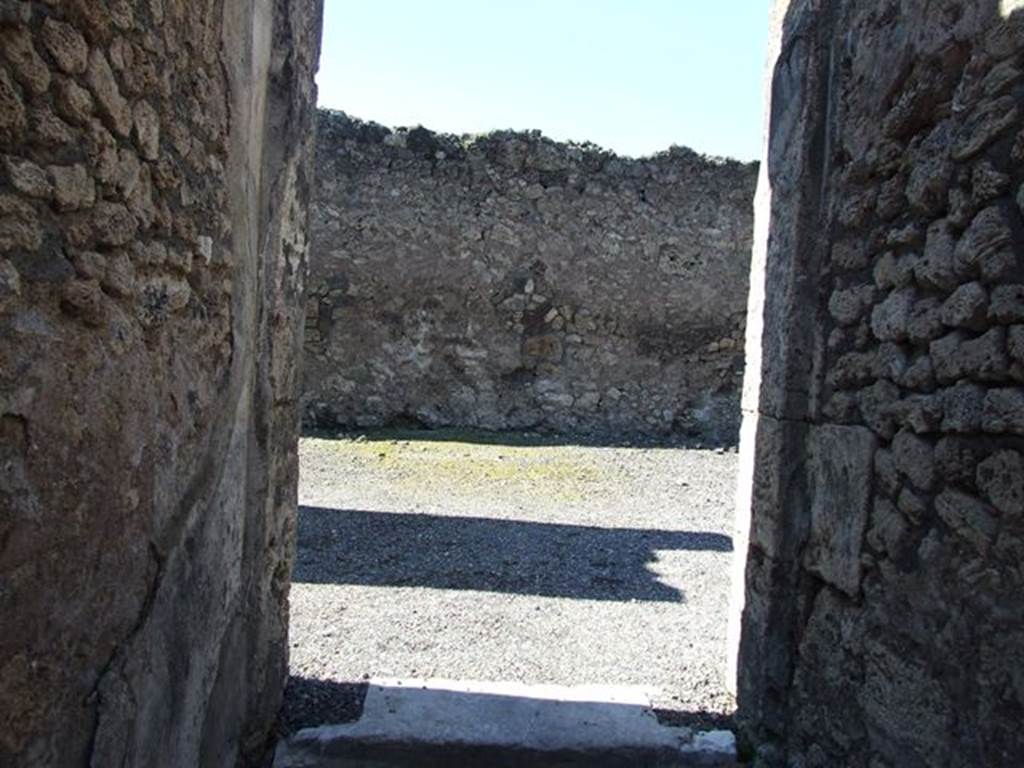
(337, 124)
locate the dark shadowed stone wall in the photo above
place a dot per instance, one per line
(153, 178)
(508, 281)
(883, 437)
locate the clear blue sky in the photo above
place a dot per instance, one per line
(634, 76)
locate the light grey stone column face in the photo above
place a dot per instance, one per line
(154, 172)
(882, 614)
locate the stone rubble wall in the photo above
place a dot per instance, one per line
(154, 172)
(883, 437)
(508, 281)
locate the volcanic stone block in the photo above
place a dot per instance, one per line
(841, 459)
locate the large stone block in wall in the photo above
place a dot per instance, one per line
(154, 172)
(840, 462)
(508, 281)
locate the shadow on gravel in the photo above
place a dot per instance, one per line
(309, 702)
(338, 546)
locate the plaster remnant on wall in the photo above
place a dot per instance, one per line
(147, 438)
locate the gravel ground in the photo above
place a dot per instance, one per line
(510, 558)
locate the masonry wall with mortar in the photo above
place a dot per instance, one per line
(508, 281)
(153, 176)
(884, 421)
(152, 191)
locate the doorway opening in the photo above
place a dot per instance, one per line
(521, 391)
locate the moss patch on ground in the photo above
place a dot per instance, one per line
(463, 461)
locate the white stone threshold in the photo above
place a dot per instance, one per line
(452, 723)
